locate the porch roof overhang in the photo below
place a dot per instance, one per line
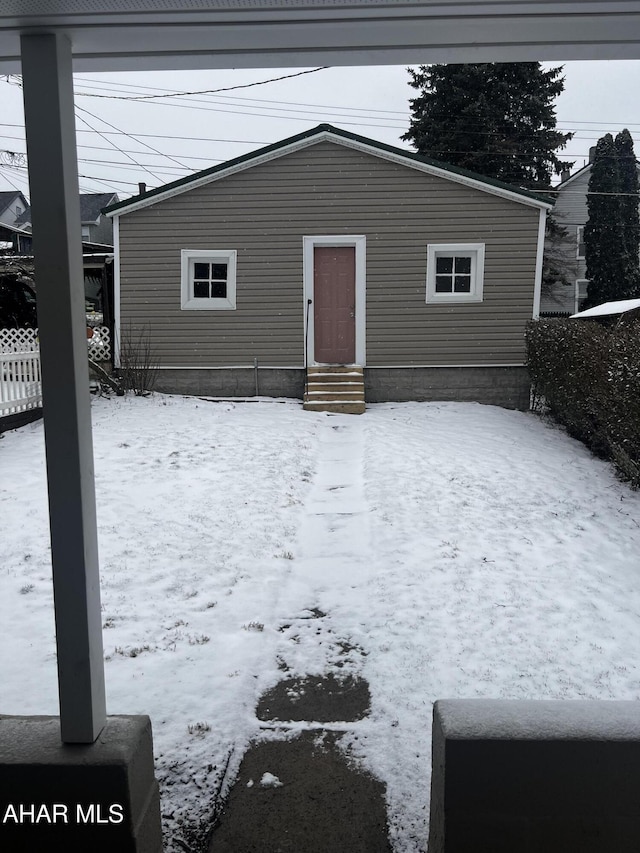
(48, 41)
(143, 35)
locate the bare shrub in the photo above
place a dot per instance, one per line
(138, 362)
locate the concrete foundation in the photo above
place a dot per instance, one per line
(232, 382)
(499, 386)
(523, 777)
(98, 797)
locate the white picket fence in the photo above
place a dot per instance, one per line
(20, 378)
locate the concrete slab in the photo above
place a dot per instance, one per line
(319, 698)
(311, 801)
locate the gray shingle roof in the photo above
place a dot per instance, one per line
(92, 203)
(6, 198)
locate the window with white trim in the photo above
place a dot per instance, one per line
(455, 272)
(208, 279)
(580, 242)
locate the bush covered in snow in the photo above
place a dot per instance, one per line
(587, 375)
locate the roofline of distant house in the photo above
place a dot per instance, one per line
(318, 134)
(580, 171)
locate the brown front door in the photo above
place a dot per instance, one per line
(334, 304)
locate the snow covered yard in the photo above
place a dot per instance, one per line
(438, 550)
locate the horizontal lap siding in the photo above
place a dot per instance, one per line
(263, 213)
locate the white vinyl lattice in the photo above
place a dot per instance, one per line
(19, 340)
(20, 381)
(100, 344)
(26, 340)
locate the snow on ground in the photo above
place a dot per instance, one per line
(457, 550)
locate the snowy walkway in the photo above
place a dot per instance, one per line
(334, 545)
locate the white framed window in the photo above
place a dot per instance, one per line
(455, 272)
(86, 232)
(208, 279)
(580, 294)
(580, 242)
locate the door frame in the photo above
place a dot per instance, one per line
(359, 242)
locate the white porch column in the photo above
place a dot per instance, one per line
(53, 180)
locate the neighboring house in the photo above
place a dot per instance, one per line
(571, 213)
(14, 240)
(329, 249)
(96, 227)
(12, 206)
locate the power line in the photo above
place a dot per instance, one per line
(265, 102)
(131, 136)
(168, 92)
(114, 145)
(9, 181)
(207, 91)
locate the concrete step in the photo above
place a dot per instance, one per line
(335, 369)
(335, 388)
(335, 379)
(338, 388)
(347, 408)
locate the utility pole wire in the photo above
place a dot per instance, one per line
(148, 171)
(204, 91)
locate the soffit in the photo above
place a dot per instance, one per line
(121, 35)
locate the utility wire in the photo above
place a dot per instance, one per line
(132, 137)
(148, 171)
(3, 171)
(207, 91)
(226, 99)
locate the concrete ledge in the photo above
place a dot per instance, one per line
(99, 797)
(498, 386)
(525, 777)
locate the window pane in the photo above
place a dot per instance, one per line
(219, 289)
(219, 271)
(443, 264)
(443, 284)
(201, 270)
(462, 284)
(463, 265)
(201, 289)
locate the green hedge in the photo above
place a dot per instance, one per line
(587, 376)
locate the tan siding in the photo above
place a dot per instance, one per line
(264, 212)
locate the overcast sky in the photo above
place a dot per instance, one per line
(197, 131)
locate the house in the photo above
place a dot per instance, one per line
(329, 249)
(571, 213)
(12, 206)
(97, 254)
(96, 227)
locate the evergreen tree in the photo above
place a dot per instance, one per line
(497, 119)
(612, 232)
(629, 212)
(559, 267)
